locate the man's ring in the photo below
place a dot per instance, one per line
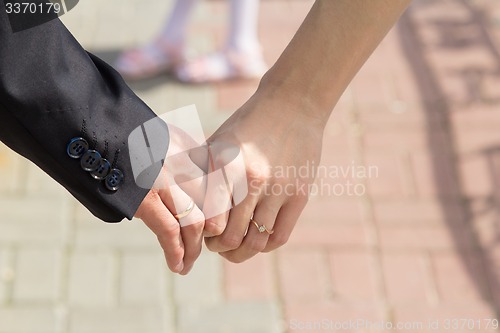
(262, 228)
(185, 213)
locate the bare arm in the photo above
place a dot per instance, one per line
(282, 124)
(335, 40)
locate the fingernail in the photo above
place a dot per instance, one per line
(179, 267)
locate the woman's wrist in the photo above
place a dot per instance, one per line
(290, 99)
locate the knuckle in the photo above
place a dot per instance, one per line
(193, 229)
(256, 176)
(214, 244)
(197, 214)
(173, 255)
(278, 240)
(153, 194)
(214, 227)
(169, 231)
(257, 246)
(237, 260)
(230, 242)
(199, 226)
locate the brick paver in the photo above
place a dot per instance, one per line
(420, 244)
(251, 280)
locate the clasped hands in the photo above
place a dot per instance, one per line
(249, 208)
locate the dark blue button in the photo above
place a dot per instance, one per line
(102, 170)
(77, 147)
(90, 160)
(114, 179)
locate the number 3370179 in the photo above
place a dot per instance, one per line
(32, 8)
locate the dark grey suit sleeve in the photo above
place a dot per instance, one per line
(52, 90)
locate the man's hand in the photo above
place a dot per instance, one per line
(181, 239)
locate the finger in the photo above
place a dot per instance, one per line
(192, 236)
(159, 219)
(218, 202)
(226, 185)
(180, 170)
(256, 241)
(285, 222)
(239, 218)
(191, 224)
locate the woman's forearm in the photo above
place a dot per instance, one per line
(332, 44)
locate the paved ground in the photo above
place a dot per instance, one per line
(419, 242)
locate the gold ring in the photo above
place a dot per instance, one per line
(262, 228)
(185, 213)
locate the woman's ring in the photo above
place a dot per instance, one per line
(262, 228)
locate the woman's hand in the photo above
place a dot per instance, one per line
(281, 145)
(280, 128)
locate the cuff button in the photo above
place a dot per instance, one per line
(77, 147)
(102, 170)
(91, 160)
(114, 180)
